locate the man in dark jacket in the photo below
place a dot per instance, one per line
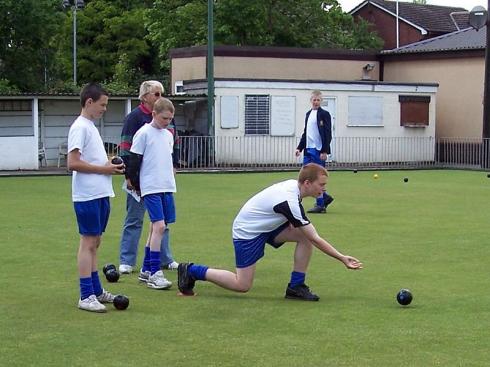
(315, 142)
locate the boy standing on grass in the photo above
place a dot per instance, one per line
(274, 216)
(315, 143)
(150, 92)
(91, 189)
(151, 172)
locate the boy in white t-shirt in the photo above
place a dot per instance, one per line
(91, 189)
(150, 171)
(273, 216)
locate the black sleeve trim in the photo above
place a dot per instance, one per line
(284, 209)
(133, 169)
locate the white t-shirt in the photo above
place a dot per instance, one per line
(269, 209)
(157, 170)
(313, 138)
(85, 137)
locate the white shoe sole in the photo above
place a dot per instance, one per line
(154, 286)
(89, 310)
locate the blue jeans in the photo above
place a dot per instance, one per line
(131, 234)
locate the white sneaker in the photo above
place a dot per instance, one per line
(91, 304)
(125, 269)
(143, 276)
(105, 297)
(158, 281)
(172, 266)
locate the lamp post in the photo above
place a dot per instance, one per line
(210, 65)
(479, 17)
(74, 5)
(486, 98)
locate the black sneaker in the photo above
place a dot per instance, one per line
(317, 210)
(300, 292)
(328, 200)
(185, 281)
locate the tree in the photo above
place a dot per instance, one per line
(176, 23)
(121, 42)
(423, 2)
(109, 34)
(26, 56)
(295, 23)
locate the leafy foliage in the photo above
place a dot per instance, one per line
(6, 87)
(122, 42)
(108, 33)
(122, 81)
(26, 28)
(295, 23)
(177, 23)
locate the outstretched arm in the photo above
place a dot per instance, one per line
(311, 234)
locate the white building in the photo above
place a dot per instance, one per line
(261, 121)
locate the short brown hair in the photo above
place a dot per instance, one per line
(93, 91)
(163, 104)
(311, 172)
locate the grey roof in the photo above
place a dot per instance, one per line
(466, 39)
(433, 18)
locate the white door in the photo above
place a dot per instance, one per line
(330, 104)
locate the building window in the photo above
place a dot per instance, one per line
(11, 105)
(257, 114)
(414, 111)
(16, 118)
(365, 111)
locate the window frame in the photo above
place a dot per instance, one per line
(262, 127)
(414, 111)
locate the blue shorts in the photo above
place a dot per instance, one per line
(311, 155)
(248, 252)
(160, 206)
(92, 216)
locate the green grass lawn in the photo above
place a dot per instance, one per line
(430, 235)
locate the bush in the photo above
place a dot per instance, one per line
(7, 88)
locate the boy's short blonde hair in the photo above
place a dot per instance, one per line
(316, 93)
(147, 86)
(311, 172)
(163, 104)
